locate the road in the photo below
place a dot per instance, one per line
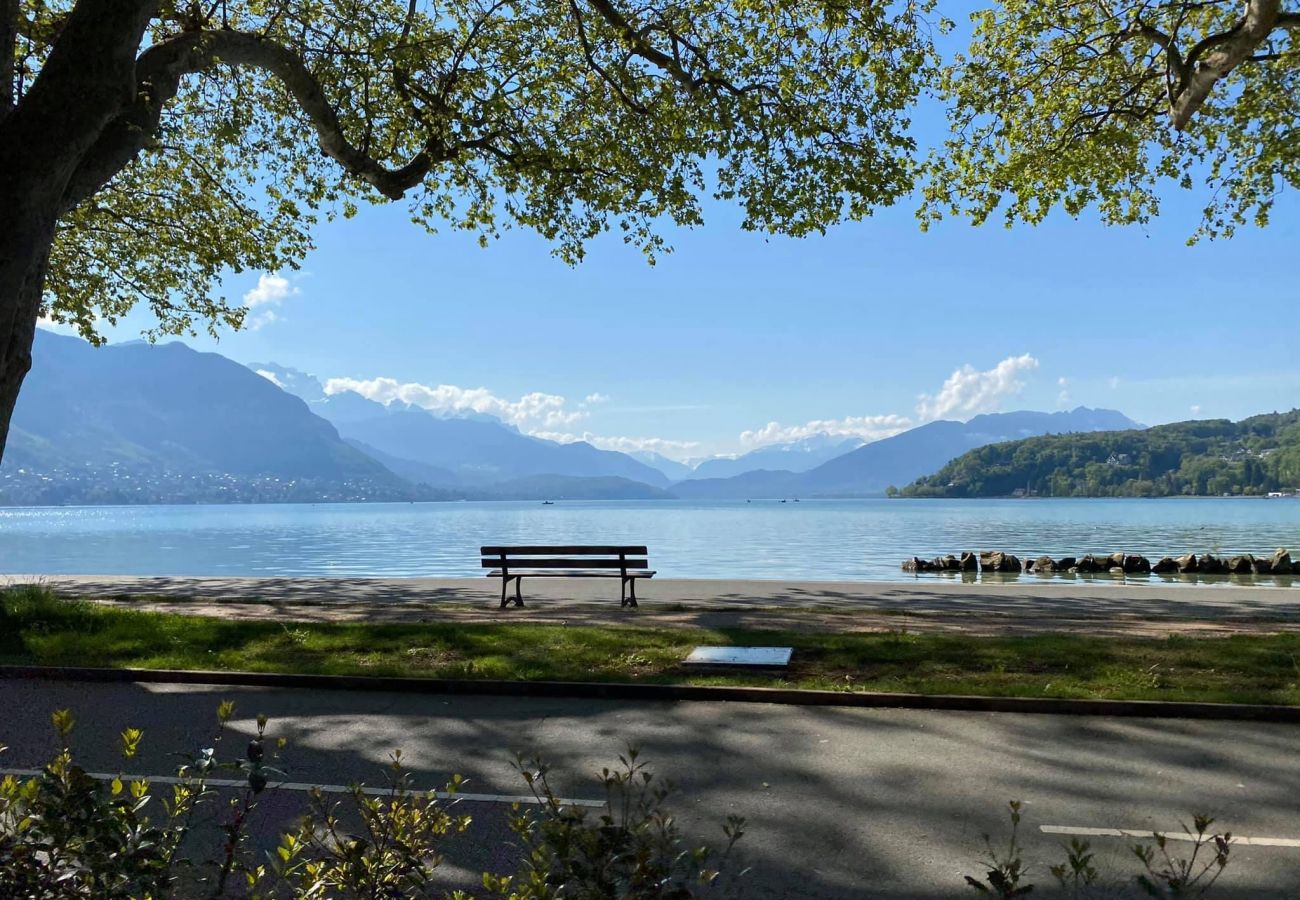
(840, 802)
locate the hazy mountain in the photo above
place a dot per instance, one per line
(417, 472)
(747, 485)
(903, 458)
(165, 404)
(671, 468)
(165, 408)
(796, 456)
(568, 487)
(476, 449)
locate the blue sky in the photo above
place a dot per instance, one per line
(735, 339)
(733, 331)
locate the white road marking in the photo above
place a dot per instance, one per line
(1080, 831)
(324, 788)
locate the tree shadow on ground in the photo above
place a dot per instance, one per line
(841, 802)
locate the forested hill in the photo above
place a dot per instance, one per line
(1208, 457)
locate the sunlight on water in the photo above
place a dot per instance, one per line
(823, 540)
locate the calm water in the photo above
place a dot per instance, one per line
(825, 540)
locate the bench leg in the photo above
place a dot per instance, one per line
(625, 598)
(505, 584)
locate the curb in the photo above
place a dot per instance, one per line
(1153, 709)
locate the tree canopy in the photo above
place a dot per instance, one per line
(1074, 104)
(250, 119)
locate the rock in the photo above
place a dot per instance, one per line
(997, 561)
(1263, 566)
(1166, 565)
(1187, 563)
(916, 564)
(1116, 570)
(1091, 564)
(1211, 565)
(1044, 565)
(946, 563)
(1241, 565)
(1136, 564)
(968, 562)
(1065, 563)
(1281, 561)
(1115, 560)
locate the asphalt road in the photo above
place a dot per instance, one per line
(840, 802)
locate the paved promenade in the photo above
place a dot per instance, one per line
(841, 803)
(1027, 605)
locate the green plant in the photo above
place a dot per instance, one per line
(1006, 867)
(1170, 877)
(1077, 874)
(65, 834)
(393, 854)
(633, 851)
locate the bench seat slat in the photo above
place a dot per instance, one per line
(545, 573)
(564, 550)
(576, 563)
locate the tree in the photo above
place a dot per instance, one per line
(1077, 103)
(149, 146)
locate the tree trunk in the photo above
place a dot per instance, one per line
(22, 280)
(84, 82)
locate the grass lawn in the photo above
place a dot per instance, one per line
(38, 628)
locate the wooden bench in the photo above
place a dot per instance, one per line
(514, 563)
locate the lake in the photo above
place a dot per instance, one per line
(813, 539)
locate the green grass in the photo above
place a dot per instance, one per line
(38, 628)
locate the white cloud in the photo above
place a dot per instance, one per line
(269, 376)
(1113, 382)
(969, 392)
(594, 398)
(1063, 399)
(261, 320)
(271, 289)
(533, 410)
(663, 446)
(1196, 409)
(869, 428)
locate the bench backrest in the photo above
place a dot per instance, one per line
(565, 557)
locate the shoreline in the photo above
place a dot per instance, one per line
(937, 605)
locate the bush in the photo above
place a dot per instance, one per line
(65, 835)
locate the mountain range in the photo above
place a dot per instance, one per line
(139, 422)
(873, 468)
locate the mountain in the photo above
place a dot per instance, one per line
(745, 486)
(1253, 456)
(568, 487)
(898, 460)
(165, 411)
(795, 456)
(476, 449)
(672, 469)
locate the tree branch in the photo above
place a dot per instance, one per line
(1222, 53)
(160, 70)
(638, 45)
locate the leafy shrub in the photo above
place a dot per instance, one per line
(634, 850)
(65, 834)
(1164, 875)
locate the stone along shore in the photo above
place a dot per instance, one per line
(1277, 563)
